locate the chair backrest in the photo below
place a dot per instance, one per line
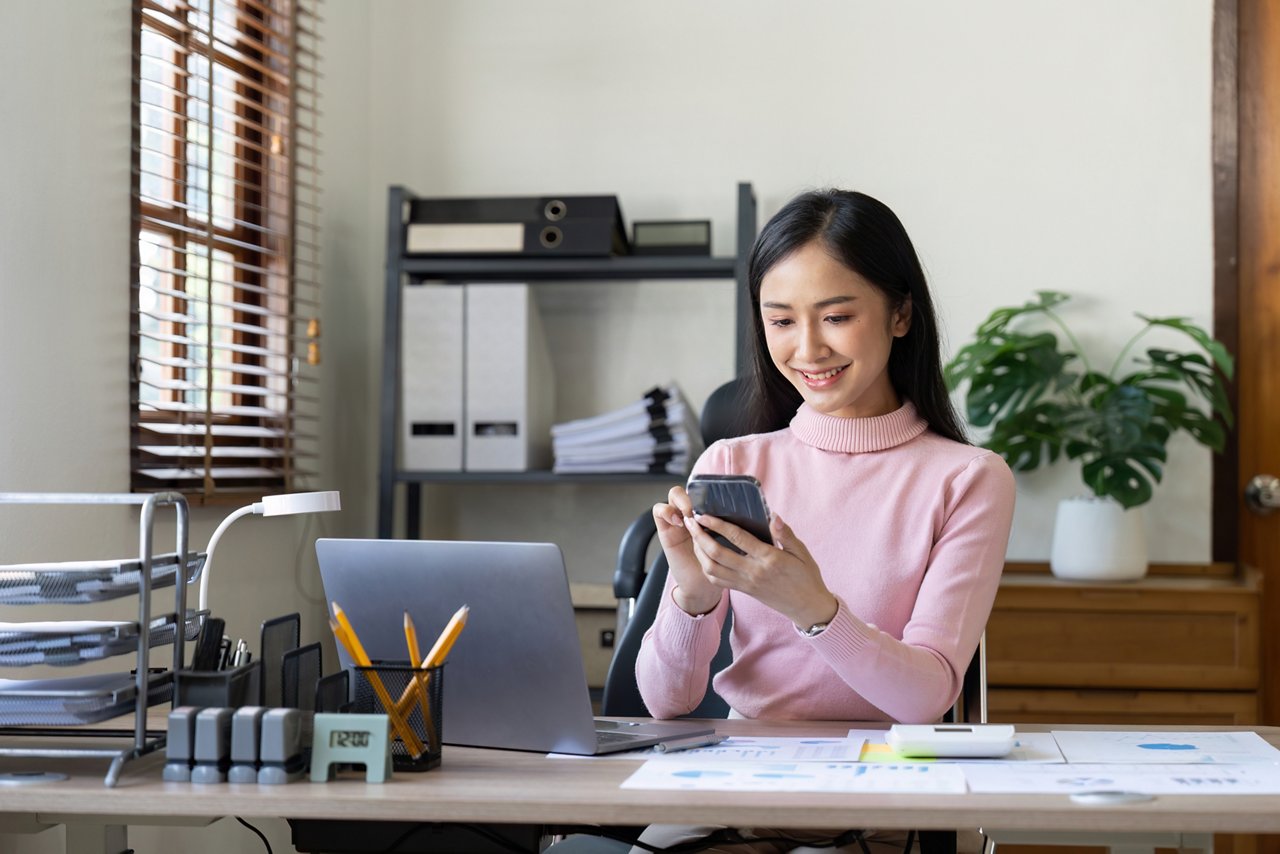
(638, 587)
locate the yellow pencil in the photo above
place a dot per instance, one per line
(347, 637)
(439, 651)
(419, 680)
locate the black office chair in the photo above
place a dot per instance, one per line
(639, 592)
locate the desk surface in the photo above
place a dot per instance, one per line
(475, 785)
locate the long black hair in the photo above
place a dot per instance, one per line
(864, 235)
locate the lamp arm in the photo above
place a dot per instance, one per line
(213, 541)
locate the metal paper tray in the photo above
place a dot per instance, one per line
(88, 580)
(79, 700)
(67, 642)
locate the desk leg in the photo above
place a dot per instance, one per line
(96, 839)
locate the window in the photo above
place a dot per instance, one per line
(225, 328)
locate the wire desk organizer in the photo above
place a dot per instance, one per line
(54, 708)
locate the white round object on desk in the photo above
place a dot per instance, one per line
(1110, 797)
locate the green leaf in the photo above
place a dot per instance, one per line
(1194, 371)
(1029, 438)
(1214, 348)
(1012, 373)
(999, 320)
(1117, 476)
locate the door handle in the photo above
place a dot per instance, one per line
(1262, 495)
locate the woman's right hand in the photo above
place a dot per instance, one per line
(694, 593)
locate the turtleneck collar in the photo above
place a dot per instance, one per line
(857, 435)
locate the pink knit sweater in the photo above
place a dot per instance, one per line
(910, 531)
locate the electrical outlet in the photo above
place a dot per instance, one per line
(606, 638)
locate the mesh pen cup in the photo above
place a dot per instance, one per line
(413, 697)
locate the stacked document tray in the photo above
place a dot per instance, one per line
(87, 581)
(66, 642)
(79, 700)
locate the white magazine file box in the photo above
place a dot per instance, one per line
(509, 381)
(431, 405)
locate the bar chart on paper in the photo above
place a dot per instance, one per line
(796, 777)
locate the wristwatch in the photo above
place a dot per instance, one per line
(814, 630)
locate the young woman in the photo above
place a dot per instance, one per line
(890, 528)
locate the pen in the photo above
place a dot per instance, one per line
(688, 743)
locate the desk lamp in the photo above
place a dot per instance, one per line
(270, 505)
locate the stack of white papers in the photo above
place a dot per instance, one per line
(658, 433)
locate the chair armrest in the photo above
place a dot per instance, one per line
(628, 575)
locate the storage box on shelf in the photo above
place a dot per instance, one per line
(34, 712)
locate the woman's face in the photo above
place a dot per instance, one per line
(829, 332)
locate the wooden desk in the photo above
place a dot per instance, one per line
(508, 787)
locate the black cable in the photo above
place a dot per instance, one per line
(260, 834)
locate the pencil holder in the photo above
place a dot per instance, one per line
(413, 698)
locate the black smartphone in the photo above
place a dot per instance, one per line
(735, 498)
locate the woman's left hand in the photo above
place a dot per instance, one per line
(782, 576)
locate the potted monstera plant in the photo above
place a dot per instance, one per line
(1043, 402)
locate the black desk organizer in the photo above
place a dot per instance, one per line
(285, 675)
(57, 708)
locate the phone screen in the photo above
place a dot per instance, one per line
(733, 498)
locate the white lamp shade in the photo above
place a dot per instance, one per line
(300, 502)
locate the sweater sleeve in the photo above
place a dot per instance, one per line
(917, 678)
(674, 661)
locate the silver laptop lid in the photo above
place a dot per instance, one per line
(515, 677)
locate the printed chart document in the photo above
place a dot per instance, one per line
(1005, 778)
(751, 749)
(756, 749)
(1029, 747)
(1164, 748)
(796, 777)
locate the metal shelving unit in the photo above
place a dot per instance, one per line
(403, 270)
(44, 710)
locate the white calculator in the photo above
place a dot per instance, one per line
(976, 741)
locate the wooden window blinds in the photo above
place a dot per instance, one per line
(224, 326)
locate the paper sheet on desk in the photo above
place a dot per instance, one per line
(1006, 778)
(1035, 747)
(796, 777)
(1165, 748)
(753, 749)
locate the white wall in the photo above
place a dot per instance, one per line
(1055, 144)
(1059, 145)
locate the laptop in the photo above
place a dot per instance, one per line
(514, 678)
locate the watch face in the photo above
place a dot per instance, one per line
(815, 629)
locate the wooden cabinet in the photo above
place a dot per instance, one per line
(1179, 647)
(1173, 648)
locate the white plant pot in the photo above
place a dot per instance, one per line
(1096, 539)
